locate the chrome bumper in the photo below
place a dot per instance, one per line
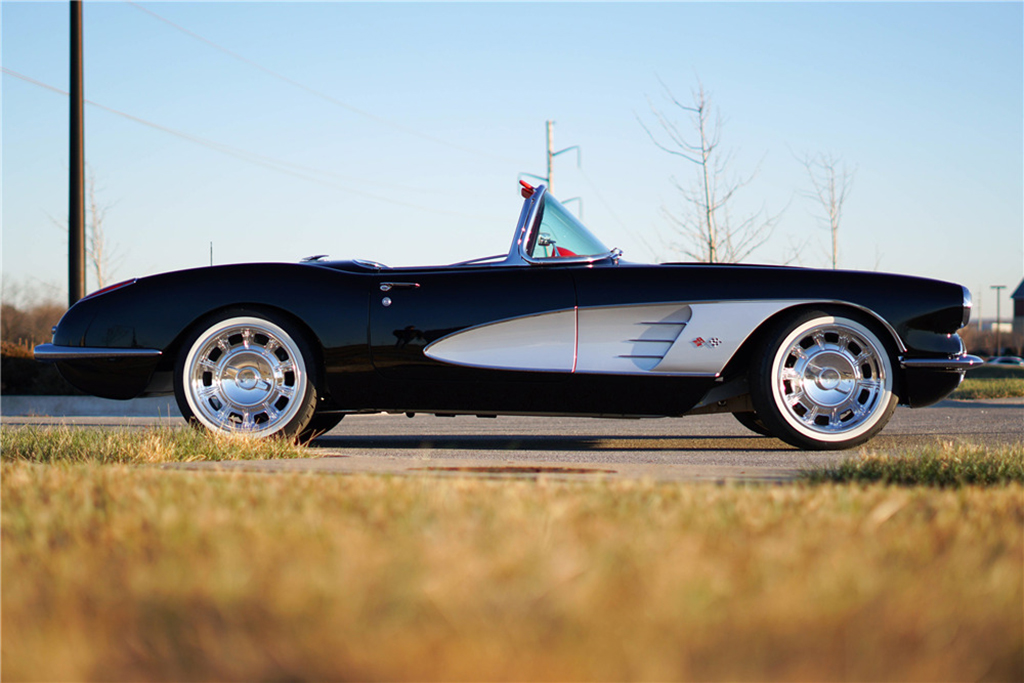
(955, 364)
(49, 353)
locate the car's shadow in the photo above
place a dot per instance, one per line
(551, 442)
(983, 404)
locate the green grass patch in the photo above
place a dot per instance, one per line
(942, 466)
(121, 446)
(996, 372)
(1006, 387)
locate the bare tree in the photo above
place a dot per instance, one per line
(97, 250)
(101, 255)
(706, 222)
(831, 180)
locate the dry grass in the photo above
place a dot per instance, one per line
(946, 465)
(122, 446)
(123, 573)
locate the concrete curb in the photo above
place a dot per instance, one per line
(87, 406)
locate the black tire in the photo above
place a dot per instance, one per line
(751, 421)
(246, 372)
(320, 425)
(823, 380)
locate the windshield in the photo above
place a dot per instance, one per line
(561, 235)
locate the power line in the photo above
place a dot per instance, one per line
(271, 163)
(317, 93)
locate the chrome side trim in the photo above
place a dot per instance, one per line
(955, 364)
(50, 352)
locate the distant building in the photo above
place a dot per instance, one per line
(1018, 309)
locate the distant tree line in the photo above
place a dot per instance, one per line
(26, 315)
(984, 343)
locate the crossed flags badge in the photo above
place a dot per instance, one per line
(712, 342)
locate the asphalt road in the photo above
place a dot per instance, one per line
(713, 447)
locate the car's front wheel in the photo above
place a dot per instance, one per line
(246, 374)
(823, 381)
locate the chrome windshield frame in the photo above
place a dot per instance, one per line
(524, 230)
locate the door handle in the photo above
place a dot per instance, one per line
(388, 286)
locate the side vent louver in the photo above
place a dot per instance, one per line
(655, 339)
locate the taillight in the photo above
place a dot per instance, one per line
(110, 288)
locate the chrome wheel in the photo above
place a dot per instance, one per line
(830, 383)
(245, 374)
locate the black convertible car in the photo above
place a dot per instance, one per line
(559, 325)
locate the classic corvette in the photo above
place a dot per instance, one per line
(558, 325)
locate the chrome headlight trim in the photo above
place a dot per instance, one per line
(968, 303)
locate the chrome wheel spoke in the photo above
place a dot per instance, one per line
(791, 374)
(223, 416)
(207, 392)
(871, 385)
(810, 415)
(208, 365)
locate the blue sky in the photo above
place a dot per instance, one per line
(416, 120)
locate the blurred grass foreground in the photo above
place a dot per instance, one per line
(121, 572)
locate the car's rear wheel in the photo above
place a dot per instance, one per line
(246, 374)
(823, 381)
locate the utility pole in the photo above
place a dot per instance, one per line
(551, 154)
(76, 179)
(980, 329)
(999, 320)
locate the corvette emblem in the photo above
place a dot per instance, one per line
(712, 342)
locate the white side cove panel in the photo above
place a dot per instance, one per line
(628, 339)
(639, 339)
(715, 333)
(545, 342)
(669, 339)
